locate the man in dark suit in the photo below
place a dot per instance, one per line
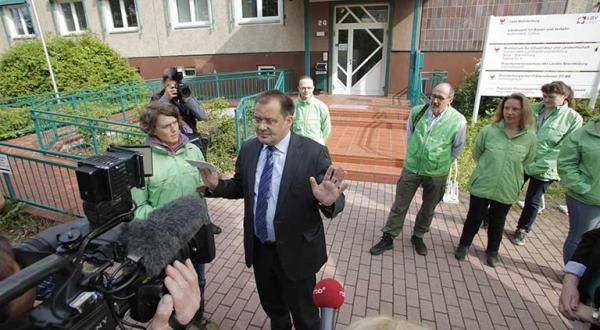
(285, 179)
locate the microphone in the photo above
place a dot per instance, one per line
(167, 230)
(328, 295)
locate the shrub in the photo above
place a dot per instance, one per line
(464, 96)
(221, 128)
(17, 224)
(14, 122)
(78, 62)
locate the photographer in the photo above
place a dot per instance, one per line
(190, 110)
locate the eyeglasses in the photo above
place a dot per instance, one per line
(438, 97)
(266, 121)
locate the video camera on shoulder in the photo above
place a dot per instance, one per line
(183, 90)
(107, 268)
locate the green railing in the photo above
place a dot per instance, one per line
(427, 80)
(244, 128)
(41, 178)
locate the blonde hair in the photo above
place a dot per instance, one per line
(384, 323)
(526, 120)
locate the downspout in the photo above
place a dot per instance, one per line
(307, 37)
(414, 69)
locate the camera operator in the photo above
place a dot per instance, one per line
(190, 109)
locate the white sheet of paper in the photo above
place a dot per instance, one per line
(202, 165)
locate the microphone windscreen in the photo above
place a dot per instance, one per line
(158, 239)
(328, 293)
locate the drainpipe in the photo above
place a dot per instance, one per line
(414, 69)
(307, 37)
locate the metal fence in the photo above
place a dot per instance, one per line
(427, 81)
(46, 180)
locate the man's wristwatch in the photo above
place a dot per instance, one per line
(596, 315)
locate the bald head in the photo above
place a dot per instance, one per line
(441, 97)
(444, 87)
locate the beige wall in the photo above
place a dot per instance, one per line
(402, 25)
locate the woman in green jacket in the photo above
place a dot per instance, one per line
(579, 170)
(173, 177)
(555, 120)
(502, 151)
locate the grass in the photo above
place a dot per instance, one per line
(17, 225)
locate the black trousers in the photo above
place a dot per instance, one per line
(280, 296)
(533, 202)
(478, 209)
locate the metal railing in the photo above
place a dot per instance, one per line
(427, 81)
(43, 179)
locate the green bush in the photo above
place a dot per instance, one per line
(464, 96)
(78, 62)
(17, 224)
(221, 128)
(14, 122)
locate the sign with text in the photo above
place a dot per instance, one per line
(4, 164)
(522, 53)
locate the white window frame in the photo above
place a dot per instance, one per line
(62, 22)
(194, 23)
(10, 24)
(259, 19)
(188, 68)
(108, 19)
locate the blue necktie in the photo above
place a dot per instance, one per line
(264, 192)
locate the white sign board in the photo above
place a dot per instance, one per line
(522, 53)
(4, 164)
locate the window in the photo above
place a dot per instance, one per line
(71, 17)
(189, 71)
(189, 13)
(259, 11)
(19, 23)
(121, 15)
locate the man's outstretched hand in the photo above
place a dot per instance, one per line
(332, 186)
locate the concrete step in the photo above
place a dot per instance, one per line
(371, 173)
(367, 161)
(378, 114)
(368, 122)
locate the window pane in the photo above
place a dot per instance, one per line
(269, 8)
(115, 10)
(28, 21)
(361, 14)
(66, 11)
(339, 14)
(202, 10)
(249, 8)
(379, 12)
(80, 15)
(14, 12)
(130, 12)
(183, 11)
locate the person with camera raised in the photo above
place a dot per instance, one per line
(173, 177)
(190, 109)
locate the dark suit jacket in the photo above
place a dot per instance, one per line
(588, 254)
(298, 224)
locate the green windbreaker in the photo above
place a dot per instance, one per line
(561, 122)
(501, 162)
(579, 163)
(173, 178)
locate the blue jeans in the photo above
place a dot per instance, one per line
(582, 218)
(202, 283)
(533, 202)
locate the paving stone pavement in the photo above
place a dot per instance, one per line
(436, 290)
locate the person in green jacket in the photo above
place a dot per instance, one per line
(579, 170)
(311, 116)
(173, 177)
(435, 136)
(502, 151)
(555, 120)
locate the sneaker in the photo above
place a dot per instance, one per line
(492, 259)
(215, 229)
(386, 243)
(461, 252)
(519, 237)
(419, 245)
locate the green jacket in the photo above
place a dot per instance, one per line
(311, 119)
(501, 162)
(561, 122)
(579, 163)
(173, 177)
(429, 151)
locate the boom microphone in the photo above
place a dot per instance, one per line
(328, 295)
(159, 239)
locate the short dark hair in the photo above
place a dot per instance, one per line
(169, 73)
(286, 103)
(150, 113)
(559, 87)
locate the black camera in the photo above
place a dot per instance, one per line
(97, 280)
(183, 90)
